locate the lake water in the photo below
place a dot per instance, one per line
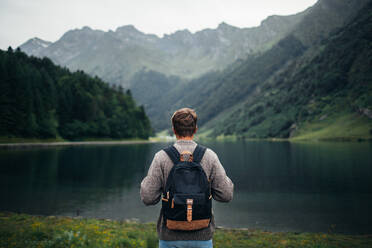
(279, 186)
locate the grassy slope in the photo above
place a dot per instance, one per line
(21, 230)
(347, 127)
(338, 127)
(333, 82)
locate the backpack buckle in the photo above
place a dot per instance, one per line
(186, 156)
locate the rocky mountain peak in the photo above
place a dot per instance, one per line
(128, 33)
(273, 21)
(34, 46)
(127, 29)
(183, 36)
(225, 26)
(182, 33)
(39, 42)
(86, 29)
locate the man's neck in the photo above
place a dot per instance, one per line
(184, 138)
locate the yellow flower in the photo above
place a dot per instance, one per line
(36, 225)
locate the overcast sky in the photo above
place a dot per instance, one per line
(50, 19)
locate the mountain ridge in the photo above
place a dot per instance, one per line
(216, 93)
(181, 53)
(323, 94)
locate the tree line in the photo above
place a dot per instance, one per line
(41, 100)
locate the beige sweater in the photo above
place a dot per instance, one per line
(153, 184)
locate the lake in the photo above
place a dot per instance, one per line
(279, 186)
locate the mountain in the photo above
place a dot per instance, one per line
(35, 45)
(325, 17)
(230, 102)
(292, 76)
(324, 92)
(117, 55)
(326, 95)
(154, 91)
(41, 100)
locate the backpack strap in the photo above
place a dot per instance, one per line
(199, 153)
(173, 154)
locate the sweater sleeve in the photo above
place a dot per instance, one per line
(222, 186)
(151, 185)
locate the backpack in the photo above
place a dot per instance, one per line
(187, 198)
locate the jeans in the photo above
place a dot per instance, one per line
(185, 244)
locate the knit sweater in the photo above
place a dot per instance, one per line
(153, 184)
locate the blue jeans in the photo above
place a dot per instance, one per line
(186, 244)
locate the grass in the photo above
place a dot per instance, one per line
(339, 126)
(22, 230)
(344, 127)
(162, 136)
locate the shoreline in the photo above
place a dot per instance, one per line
(15, 145)
(73, 143)
(24, 230)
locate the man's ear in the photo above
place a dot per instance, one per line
(196, 129)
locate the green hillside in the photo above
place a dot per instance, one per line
(41, 100)
(326, 93)
(314, 83)
(150, 88)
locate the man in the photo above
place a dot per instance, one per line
(184, 127)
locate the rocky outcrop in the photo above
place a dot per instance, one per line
(366, 112)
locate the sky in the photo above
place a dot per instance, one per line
(21, 20)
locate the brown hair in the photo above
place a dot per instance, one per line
(184, 122)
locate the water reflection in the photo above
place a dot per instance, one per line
(279, 186)
(293, 167)
(285, 186)
(67, 180)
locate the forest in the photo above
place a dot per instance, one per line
(41, 100)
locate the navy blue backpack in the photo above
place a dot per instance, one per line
(187, 199)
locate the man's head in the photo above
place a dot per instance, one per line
(184, 122)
